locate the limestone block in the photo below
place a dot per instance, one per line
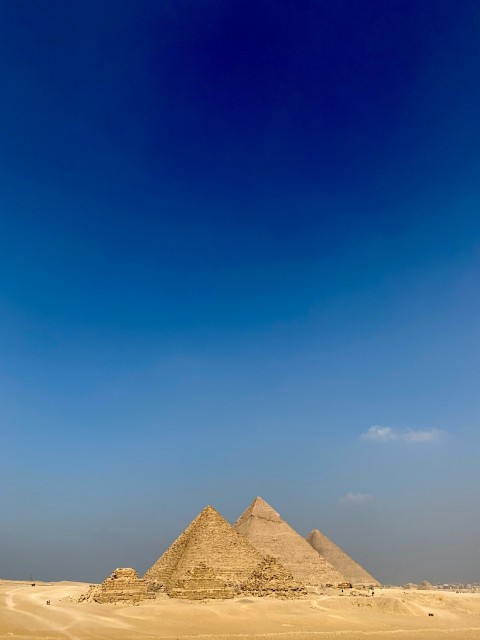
(199, 583)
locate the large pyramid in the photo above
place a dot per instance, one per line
(352, 571)
(209, 559)
(264, 528)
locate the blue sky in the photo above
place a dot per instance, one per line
(239, 256)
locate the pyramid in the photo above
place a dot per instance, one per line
(270, 578)
(209, 559)
(352, 571)
(263, 527)
(123, 585)
(200, 583)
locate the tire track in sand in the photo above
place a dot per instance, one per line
(12, 605)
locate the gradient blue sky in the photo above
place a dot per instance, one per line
(234, 237)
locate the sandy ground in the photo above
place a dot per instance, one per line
(391, 613)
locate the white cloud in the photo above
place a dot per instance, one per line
(380, 434)
(356, 498)
(422, 435)
(387, 434)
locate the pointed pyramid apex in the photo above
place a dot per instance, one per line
(260, 509)
(272, 536)
(209, 540)
(209, 509)
(209, 512)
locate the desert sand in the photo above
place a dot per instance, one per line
(391, 613)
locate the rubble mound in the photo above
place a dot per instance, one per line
(271, 578)
(200, 583)
(425, 585)
(123, 585)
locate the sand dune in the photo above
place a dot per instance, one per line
(391, 613)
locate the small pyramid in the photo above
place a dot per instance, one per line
(352, 571)
(123, 585)
(200, 583)
(271, 578)
(263, 527)
(208, 560)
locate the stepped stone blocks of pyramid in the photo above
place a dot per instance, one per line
(209, 540)
(352, 571)
(200, 583)
(209, 559)
(271, 578)
(160, 573)
(263, 527)
(123, 585)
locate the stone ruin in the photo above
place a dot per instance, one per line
(271, 578)
(200, 583)
(425, 585)
(123, 585)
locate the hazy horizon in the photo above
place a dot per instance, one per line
(132, 545)
(239, 256)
